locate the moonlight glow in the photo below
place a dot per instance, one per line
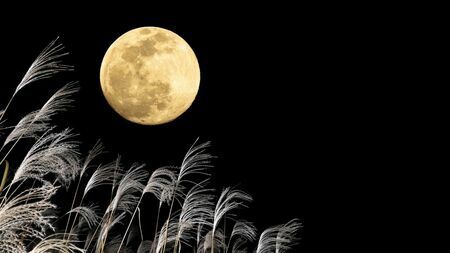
(150, 76)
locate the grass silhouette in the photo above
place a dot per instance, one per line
(194, 220)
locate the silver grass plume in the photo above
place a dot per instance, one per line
(96, 150)
(244, 232)
(278, 238)
(118, 174)
(199, 234)
(104, 175)
(27, 128)
(124, 200)
(168, 233)
(196, 161)
(53, 153)
(38, 121)
(80, 227)
(229, 200)
(239, 246)
(208, 243)
(52, 244)
(45, 65)
(23, 215)
(162, 184)
(9, 243)
(131, 183)
(286, 236)
(268, 240)
(104, 231)
(92, 154)
(88, 213)
(196, 209)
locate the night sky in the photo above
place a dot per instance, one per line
(256, 102)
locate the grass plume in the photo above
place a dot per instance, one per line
(194, 219)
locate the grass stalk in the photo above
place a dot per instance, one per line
(129, 224)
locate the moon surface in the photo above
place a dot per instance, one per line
(150, 76)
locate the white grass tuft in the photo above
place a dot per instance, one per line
(27, 215)
(279, 238)
(47, 64)
(88, 213)
(53, 153)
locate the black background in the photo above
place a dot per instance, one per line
(258, 103)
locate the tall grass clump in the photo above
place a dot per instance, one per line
(188, 217)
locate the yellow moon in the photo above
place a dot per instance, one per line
(150, 75)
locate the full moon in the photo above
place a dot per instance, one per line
(150, 76)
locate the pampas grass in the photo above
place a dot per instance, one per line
(228, 201)
(52, 244)
(53, 153)
(242, 233)
(23, 215)
(47, 64)
(279, 238)
(89, 214)
(31, 223)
